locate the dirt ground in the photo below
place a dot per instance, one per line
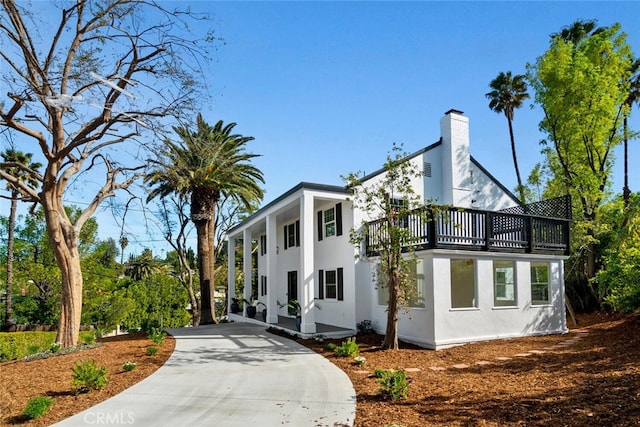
(589, 377)
(52, 377)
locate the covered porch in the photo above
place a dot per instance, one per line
(288, 325)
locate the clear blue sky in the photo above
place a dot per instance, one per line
(326, 88)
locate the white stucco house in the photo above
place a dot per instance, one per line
(487, 267)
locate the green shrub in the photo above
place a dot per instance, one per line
(55, 347)
(395, 384)
(16, 345)
(157, 336)
(37, 407)
(151, 351)
(331, 347)
(348, 348)
(129, 366)
(88, 376)
(378, 373)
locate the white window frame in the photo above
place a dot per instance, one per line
(540, 284)
(504, 283)
(331, 224)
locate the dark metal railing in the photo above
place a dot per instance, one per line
(471, 229)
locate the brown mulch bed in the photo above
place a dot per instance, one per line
(52, 377)
(592, 380)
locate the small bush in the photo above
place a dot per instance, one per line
(89, 339)
(34, 348)
(157, 336)
(129, 366)
(360, 360)
(348, 348)
(55, 347)
(151, 351)
(395, 384)
(331, 347)
(37, 407)
(88, 376)
(378, 373)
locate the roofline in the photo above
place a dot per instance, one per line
(301, 186)
(409, 157)
(493, 178)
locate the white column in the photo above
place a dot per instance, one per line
(231, 271)
(246, 263)
(272, 273)
(307, 270)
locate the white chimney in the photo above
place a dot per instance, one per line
(456, 161)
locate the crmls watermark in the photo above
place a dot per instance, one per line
(109, 418)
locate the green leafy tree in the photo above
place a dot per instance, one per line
(207, 165)
(619, 279)
(13, 160)
(582, 84)
(632, 98)
(507, 93)
(389, 200)
(78, 86)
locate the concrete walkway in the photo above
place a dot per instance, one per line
(233, 374)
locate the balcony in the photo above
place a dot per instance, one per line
(542, 227)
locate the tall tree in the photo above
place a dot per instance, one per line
(507, 93)
(387, 201)
(11, 156)
(208, 164)
(582, 85)
(97, 78)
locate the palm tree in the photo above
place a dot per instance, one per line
(10, 158)
(634, 97)
(578, 31)
(205, 165)
(507, 93)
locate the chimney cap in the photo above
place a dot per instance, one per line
(454, 111)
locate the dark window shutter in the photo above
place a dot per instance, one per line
(298, 233)
(286, 237)
(340, 285)
(320, 284)
(339, 219)
(320, 224)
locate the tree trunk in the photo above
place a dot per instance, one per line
(391, 332)
(515, 162)
(205, 268)
(8, 314)
(64, 242)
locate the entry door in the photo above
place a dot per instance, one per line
(292, 289)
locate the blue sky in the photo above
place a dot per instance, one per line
(326, 88)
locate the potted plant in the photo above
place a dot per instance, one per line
(252, 307)
(235, 305)
(294, 309)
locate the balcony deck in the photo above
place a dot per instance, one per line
(471, 229)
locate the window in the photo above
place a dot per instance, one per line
(331, 284)
(292, 235)
(463, 283)
(397, 205)
(330, 222)
(415, 295)
(504, 290)
(539, 283)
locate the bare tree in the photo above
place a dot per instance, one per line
(89, 90)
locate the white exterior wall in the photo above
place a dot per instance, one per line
(486, 194)
(433, 184)
(438, 325)
(456, 160)
(332, 253)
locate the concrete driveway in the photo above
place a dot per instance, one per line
(232, 374)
